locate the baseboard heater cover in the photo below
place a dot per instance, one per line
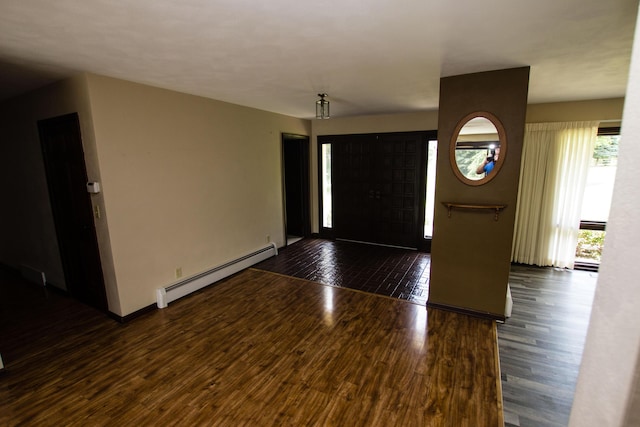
(194, 283)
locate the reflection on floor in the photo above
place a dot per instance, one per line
(541, 344)
(256, 349)
(398, 273)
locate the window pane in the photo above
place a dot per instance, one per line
(326, 185)
(589, 247)
(597, 197)
(602, 173)
(431, 187)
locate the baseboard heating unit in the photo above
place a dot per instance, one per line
(194, 283)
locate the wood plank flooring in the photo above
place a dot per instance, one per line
(541, 344)
(256, 349)
(382, 270)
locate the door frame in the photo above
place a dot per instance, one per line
(423, 243)
(304, 142)
(65, 251)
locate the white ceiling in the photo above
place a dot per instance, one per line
(370, 56)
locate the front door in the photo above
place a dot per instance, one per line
(72, 209)
(378, 187)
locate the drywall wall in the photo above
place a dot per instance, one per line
(470, 252)
(608, 111)
(188, 182)
(609, 380)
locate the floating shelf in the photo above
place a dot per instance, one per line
(495, 208)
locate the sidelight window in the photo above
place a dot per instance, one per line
(432, 151)
(326, 186)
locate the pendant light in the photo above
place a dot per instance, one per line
(322, 107)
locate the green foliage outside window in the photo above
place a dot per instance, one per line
(605, 151)
(590, 243)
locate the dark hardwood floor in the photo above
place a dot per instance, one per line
(540, 344)
(256, 349)
(393, 272)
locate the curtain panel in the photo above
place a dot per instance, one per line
(553, 174)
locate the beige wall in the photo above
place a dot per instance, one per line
(607, 393)
(188, 182)
(608, 111)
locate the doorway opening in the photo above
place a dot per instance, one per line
(372, 188)
(66, 174)
(295, 160)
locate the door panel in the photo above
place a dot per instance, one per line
(352, 195)
(72, 209)
(397, 221)
(377, 182)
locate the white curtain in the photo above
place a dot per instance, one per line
(555, 162)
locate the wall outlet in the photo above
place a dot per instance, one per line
(178, 272)
(268, 238)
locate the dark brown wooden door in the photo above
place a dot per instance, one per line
(397, 219)
(353, 189)
(72, 209)
(295, 150)
(378, 187)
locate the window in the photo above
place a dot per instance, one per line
(432, 152)
(597, 199)
(326, 186)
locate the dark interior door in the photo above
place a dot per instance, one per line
(72, 209)
(378, 187)
(296, 184)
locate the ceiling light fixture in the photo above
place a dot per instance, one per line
(322, 107)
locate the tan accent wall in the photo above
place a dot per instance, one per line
(188, 182)
(470, 252)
